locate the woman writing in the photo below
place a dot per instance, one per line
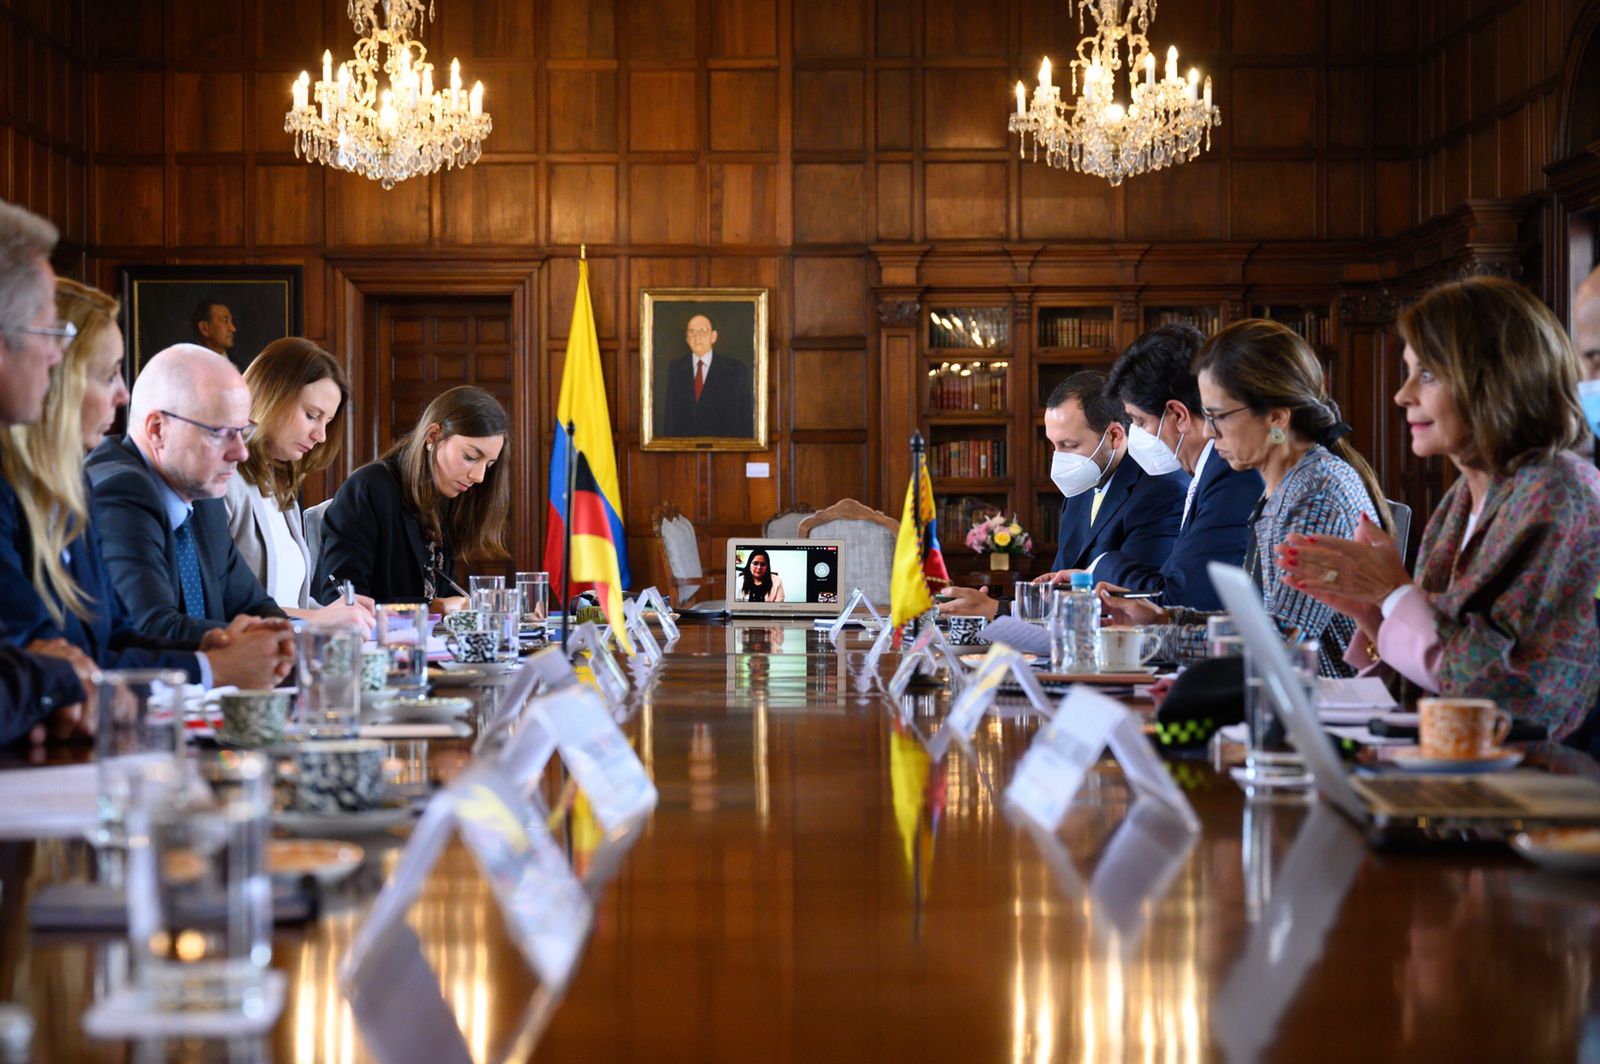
(1502, 604)
(758, 583)
(57, 585)
(1266, 408)
(297, 398)
(397, 525)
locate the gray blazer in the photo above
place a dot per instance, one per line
(248, 513)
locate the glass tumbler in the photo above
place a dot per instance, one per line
(328, 669)
(403, 632)
(139, 724)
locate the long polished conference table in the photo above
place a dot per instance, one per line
(814, 887)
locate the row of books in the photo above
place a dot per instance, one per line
(1206, 320)
(968, 459)
(981, 392)
(1315, 326)
(957, 514)
(1049, 523)
(1075, 331)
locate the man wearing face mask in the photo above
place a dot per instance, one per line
(1115, 512)
(1153, 381)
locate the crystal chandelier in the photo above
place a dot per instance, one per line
(1162, 122)
(392, 133)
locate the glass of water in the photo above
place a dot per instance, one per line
(328, 669)
(476, 584)
(403, 632)
(1269, 758)
(139, 725)
(1033, 601)
(533, 589)
(200, 893)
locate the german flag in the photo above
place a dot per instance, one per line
(599, 549)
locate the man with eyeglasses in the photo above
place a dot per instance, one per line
(708, 394)
(158, 498)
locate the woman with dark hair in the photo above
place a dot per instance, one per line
(298, 394)
(1502, 604)
(1266, 408)
(396, 527)
(757, 581)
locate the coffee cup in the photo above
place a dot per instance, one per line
(964, 631)
(341, 776)
(253, 718)
(1124, 649)
(474, 648)
(374, 669)
(1461, 729)
(460, 622)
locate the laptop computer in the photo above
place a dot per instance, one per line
(1392, 808)
(779, 578)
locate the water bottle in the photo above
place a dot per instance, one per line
(1083, 623)
(1056, 624)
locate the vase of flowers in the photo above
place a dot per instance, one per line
(1001, 538)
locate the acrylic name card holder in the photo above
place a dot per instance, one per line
(931, 650)
(1064, 752)
(981, 689)
(650, 601)
(837, 625)
(613, 682)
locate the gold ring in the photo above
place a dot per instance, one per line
(1331, 576)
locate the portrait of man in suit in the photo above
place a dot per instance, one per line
(705, 370)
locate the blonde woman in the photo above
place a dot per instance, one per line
(57, 585)
(298, 396)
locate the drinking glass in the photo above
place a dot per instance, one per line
(199, 892)
(328, 669)
(505, 627)
(476, 584)
(496, 600)
(1269, 759)
(534, 591)
(140, 724)
(1033, 601)
(1222, 637)
(403, 632)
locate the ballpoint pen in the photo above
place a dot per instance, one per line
(348, 587)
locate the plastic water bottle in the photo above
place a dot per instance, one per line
(1075, 626)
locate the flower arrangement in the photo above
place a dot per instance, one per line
(999, 534)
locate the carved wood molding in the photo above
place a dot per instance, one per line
(899, 313)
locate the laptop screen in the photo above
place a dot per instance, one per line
(782, 572)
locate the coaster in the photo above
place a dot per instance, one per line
(128, 1013)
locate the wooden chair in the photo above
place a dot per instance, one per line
(785, 524)
(869, 538)
(678, 547)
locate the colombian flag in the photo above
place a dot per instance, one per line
(599, 550)
(916, 552)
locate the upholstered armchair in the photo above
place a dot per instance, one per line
(868, 537)
(786, 524)
(678, 547)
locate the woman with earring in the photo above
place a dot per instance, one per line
(298, 395)
(1266, 409)
(56, 581)
(757, 580)
(1502, 603)
(396, 527)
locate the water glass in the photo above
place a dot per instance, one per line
(534, 591)
(403, 632)
(496, 600)
(505, 627)
(1222, 637)
(476, 584)
(200, 893)
(328, 669)
(140, 725)
(1033, 601)
(1269, 759)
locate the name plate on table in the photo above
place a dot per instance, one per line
(880, 646)
(984, 686)
(650, 599)
(644, 640)
(932, 649)
(608, 770)
(608, 674)
(544, 906)
(1066, 749)
(857, 598)
(548, 670)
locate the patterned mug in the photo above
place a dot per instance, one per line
(253, 718)
(474, 648)
(341, 776)
(460, 622)
(374, 669)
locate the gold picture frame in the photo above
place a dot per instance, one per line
(733, 390)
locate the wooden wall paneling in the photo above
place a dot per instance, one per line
(830, 297)
(744, 29)
(1065, 205)
(830, 203)
(1268, 27)
(130, 29)
(495, 204)
(210, 204)
(1274, 107)
(895, 111)
(582, 105)
(562, 277)
(1273, 200)
(297, 32)
(960, 28)
(582, 29)
(130, 111)
(895, 208)
(896, 27)
(662, 111)
(655, 272)
(743, 203)
(130, 206)
(660, 29)
(208, 112)
(664, 204)
(830, 28)
(829, 110)
(583, 203)
(963, 107)
(1484, 149)
(288, 204)
(824, 473)
(1347, 190)
(964, 200)
(510, 95)
(743, 110)
(206, 30)
(828, 390)
(362, 214)
(1515, 179)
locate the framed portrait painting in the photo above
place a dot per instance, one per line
(235, 310)
(703, 364)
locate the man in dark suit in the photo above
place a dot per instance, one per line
(157, 498)
(708, 394)
(1114, 512)
(1153, 382)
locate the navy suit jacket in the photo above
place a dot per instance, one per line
(727, 403)
(108, 638)
(32, 687)
(1218, 530)
(137, 538)
(1138, 519)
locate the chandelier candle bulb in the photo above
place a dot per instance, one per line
(1172, 63)
(1044, 73)
(476, 106)
(327, 65)
(1022, 96)
(455, 77)
(1150, 69)
(1208, 94)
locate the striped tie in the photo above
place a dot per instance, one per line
(194, 590)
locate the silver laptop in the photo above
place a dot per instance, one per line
(1476, 806)
(780, 578)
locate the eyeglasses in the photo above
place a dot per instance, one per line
(221, 435)
(699, 332)
(63, 331)
(1222, 415)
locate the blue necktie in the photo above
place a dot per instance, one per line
(194, 589)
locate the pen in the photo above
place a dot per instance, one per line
(1134, 594)
(348, 587)
(452, 583)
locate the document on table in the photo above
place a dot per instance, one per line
(1025, 636)
(1355, 700)
(52, 801)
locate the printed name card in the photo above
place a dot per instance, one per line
(984, 686)
(857, 598)
(650, 600)
(930, 648)
(548, 670)
(586, 638)
(1066, 749)
(575, 722)
(644, 640)
(544, 906)
(880, 646)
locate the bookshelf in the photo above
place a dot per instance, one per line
(1312, 321)
(1207, 317)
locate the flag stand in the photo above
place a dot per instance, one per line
(921, 680)
(566, 550)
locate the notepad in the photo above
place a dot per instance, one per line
(1354, 700)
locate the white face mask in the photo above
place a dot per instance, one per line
(1074, 474)
(1153, 456)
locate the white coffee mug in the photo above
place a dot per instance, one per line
(1123, 649)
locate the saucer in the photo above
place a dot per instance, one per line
(341, 825)
(325, 860)
(1410, 759)
(1561, 849)
(456, 675)
(423, 710)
